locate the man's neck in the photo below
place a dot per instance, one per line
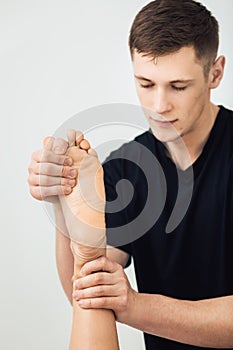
(185, 150)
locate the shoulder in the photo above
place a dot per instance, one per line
(131, 150)
(225, 121)
(126, 161)
(226, 116)
(227, 140)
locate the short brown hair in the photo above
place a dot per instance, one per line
(165, 26)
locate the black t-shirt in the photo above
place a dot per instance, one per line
(186, 252)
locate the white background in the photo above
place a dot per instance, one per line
(57, 59)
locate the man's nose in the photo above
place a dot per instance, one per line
(162, 103)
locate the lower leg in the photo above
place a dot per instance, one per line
(93, 328)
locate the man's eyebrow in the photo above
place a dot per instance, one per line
(142, 78)
(181, 81)
(171, 82)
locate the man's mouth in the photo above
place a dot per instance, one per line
(163, 122)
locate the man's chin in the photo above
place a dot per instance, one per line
(171, 136)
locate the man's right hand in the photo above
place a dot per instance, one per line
(50, 171)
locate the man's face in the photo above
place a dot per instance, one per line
(174, 94)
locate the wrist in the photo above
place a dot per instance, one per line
(129, 312)
(57, 208)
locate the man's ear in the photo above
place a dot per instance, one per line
(216, 72)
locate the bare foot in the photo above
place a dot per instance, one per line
(84, 208)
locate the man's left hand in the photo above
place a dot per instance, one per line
(104, 285)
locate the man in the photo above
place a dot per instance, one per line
(185, 278)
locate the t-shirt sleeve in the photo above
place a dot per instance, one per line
(115, 217)
(231, 197)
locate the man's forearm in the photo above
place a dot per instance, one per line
(205, 323)
(64, 256)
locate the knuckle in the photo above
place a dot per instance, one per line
(97, 278)
(31, 179)
(35, 155)
(120, 268)
(100, 291)
(79, 294)
(31, 167)
(34, 193)
(77, 285)
(103, 262)
(104, 301)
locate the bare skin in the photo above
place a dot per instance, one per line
(83, 208)
(91, 329)
(50, 172)
(185, 105)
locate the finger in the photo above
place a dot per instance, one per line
(96, 292)
(79, 137)
(43, 180)
(42, 193)
(48, 143)
(44, 156)
(32, 168)
(99, 303)
(71, 136)
(54, 170)
(92, 280)
(85, 145)
(60, 146)
(99, 264)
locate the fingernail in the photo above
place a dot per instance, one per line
(68, 161)
(73, 172)
(71, 182)
(67, 190)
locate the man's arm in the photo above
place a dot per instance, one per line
(204, 323)
(64, 255)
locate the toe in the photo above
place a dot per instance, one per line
(92, 152)
(85, 145)
(79, 137)
(71, 136)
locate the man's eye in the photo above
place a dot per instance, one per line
(180, 88)
(146, 86)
